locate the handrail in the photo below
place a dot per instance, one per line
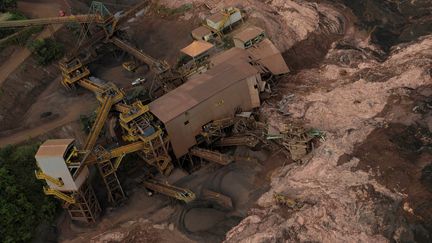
(58, 194)
(42, 176)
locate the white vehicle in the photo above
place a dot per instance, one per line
(138, 81)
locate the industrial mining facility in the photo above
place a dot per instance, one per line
(215, 121)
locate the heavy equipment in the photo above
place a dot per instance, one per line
(175, 125)
(70, 182)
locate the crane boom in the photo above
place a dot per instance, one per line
(155, 64)
(179, 193)
(85, 18)
(116, 152)
(99, 122)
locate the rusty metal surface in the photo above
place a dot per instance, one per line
(197, 48)
(201, 32)
(212, 156)
(54, 148)
(248, 33)
(200, 88)
(269, 56)
(250, 141)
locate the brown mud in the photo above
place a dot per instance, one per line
(399, 155)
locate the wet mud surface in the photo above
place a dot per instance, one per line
(243, 181)
(392, 22)
(399, 156)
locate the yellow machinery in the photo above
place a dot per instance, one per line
(130, 66)
(169, 190)
(145, 136)
(66, 178)
(156, 65)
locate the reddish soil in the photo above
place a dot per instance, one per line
(399, 154)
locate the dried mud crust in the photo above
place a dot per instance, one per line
(398, 156)
(21, 90)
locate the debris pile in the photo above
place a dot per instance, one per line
(348, 205)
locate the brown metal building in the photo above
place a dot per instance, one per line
(229, 85)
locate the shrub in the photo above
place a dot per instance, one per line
(23, 206)
(7, 4)
(46, 50)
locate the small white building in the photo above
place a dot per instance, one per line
(249, 37)
(224, 19)
(51, 159)
(198, 50)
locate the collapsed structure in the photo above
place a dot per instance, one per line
(180, 123)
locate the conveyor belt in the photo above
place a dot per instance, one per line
(159, 67)
(99, 122)
(86, 18)
(182, 194)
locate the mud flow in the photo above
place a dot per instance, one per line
(399, 155)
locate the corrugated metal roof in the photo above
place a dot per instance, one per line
(197, 48)
(200, 88)
(217, 17)
(230, 55)
(201, 32)
(248, 33)
(269, 56)
(54, 148)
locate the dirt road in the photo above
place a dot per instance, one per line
(36, 10)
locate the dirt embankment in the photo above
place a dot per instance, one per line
(32, 101)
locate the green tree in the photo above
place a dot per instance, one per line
(46, 50)
(7, 4)
(23, 206)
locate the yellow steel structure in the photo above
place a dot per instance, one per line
(42, 176)
(181, 194)
(101, 117)
(59, 195)
(156, 65)
(118, 152)
(146, 138)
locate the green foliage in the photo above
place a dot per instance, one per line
(7, 4)
(165, 11)
(23, 206)
(21, 38)
(12, 15)
(46, 50)
(138, 93)
(15, 15)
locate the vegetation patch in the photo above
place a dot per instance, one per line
(16, 36)
(7, 5)
(46, 50)
(166, 11)
(23, 206)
